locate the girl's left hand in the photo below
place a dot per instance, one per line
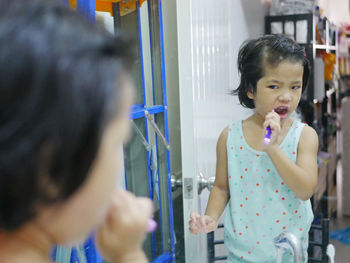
(272, 119)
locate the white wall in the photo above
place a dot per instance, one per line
(247, 21)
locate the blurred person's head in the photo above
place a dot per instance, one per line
(65, 91)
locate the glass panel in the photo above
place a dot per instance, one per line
(136, 170)
(156, 51)
(129, 23)
(163, 184)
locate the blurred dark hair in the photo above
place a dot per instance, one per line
(267, 50)
(59, 88)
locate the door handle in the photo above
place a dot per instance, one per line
(203, 183)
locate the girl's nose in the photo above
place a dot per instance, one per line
(285, 96)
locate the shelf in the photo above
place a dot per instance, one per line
(325, 47)
(330, 92)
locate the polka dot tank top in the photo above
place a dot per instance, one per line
(261, 205)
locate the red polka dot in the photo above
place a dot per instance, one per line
(245, 169)
(284, 213)
(293, 152)
(241, 257)
(257, 184)
(283, 198)
(268, 170)
(241, 177)
(276, 191)
(282, 183)
(229, 177)
(257, 155)
(258, 242)
(301, 229)
(284, 227)
(234, 230)
(246, 227)
(241, 205)
(249, 252)
(257, 214)
(241, 147)
(246, 198)
(240, 233)
(296, 211)
(277, 221)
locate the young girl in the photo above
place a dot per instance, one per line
(65, 94)
(265, 187)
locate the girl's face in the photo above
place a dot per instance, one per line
(73, 220)
(279, 89)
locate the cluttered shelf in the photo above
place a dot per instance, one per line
(325, 47)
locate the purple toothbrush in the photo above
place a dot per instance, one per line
(268, 135)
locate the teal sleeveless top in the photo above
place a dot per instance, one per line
(261, 205)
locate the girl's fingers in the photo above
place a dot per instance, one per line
(194, 216)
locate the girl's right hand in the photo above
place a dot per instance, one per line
(121, 236)
(202, 224)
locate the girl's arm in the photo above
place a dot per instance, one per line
(219, 194)
(300, 177)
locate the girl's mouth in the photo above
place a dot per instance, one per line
(282, 111)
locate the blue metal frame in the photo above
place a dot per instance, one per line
(153, 93)
(165, 257)
(138, 111)
(149, 172)
(166, 128)
(87, 7)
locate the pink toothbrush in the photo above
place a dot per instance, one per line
(151, 226)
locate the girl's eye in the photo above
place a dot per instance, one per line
(273, 87)
(296, 87)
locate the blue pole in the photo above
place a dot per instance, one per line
(87, 7)
(166, 128)
(149, 173)
(141, 54)
(152, 70)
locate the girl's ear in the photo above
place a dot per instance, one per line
(250, 95)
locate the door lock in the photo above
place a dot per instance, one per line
(208, 183)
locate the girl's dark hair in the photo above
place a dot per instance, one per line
(59, 88)
(271, 50)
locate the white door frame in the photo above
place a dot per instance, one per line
(184, 27)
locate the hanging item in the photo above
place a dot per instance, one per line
(329, 61)
(125, 6)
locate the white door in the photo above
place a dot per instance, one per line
(209, 35)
